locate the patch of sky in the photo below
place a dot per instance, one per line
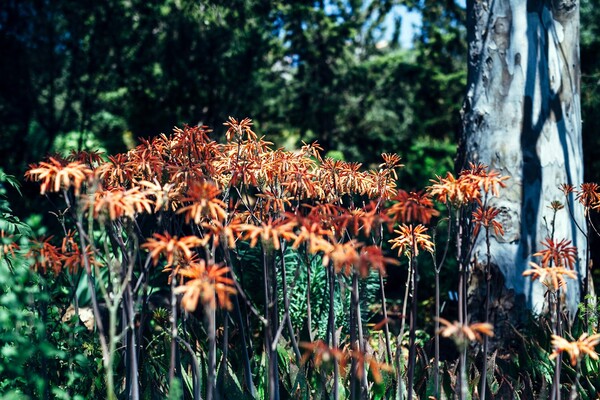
(409, 22)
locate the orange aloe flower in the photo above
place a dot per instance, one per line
(116, 172)
(313, 149)
(379, 185)
(207, 284)
(269, 232)
(566, 188)
(375, 367)
(557, 254)
(226, 234)
(301, 182)
(188, 172)
(74, 260)
(343, 255)
(489, 180)
(410, 236)
(351, 179)
(239, 129)
(576, 349)
(589, 195)
(7, 244)
(314, 235)
(371, 257)
(204, 203)
(391, 161)
(145, 162)
(359, 220)
(274, 203)
(322, 353)
(172, 247)
(165, 196)
(550, 276)
(91, 158)
(45, 255)
(410, 207)
(461, 332)
(54, 175)
(119, 202)
(457, 192)
(486, 216)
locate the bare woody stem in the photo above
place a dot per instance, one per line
(437, 268)
(399, 356)
(488, 279)
(107, 354)
(413, 322)
(332, 331)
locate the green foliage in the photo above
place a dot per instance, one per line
(590, 86)
(298, 267)
(43, 352)
(20, 327)
(427, 158)
(9, 223)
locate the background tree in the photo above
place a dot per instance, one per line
(522, 117)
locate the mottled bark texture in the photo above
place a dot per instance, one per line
(522, 117)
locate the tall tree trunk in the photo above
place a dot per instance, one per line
(522, 117)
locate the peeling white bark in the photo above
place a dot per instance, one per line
(522, 118)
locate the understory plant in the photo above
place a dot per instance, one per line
(236, 270)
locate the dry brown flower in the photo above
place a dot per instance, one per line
(556, 205)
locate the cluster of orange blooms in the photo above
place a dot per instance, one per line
(557, 263)
(242, 189)
(46, 256)
(470, 186)
(245, 190)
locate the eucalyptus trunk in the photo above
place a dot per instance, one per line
(522, 117)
